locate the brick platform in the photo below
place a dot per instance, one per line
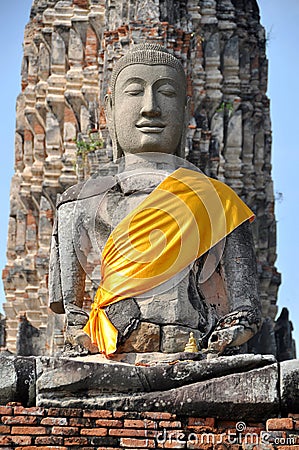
(62, 429)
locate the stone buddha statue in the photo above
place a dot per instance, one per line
(214, 296)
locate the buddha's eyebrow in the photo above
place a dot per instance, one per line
(142, 82)
(165, 80)
(133, 80)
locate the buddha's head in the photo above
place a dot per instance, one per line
(147, 107)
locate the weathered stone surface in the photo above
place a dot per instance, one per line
(264, 341)
(30, 340)
(237, 387)
(179, 309)
(239, 396)
(146, 338)
(174, 338)
(8, 380)
(131, 182)
(125, 317)
(17, 379)
(63, 375)
(285, 344)
(2, 331)
(289, 385)
(60, 374)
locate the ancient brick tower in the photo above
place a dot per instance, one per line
(69, 50)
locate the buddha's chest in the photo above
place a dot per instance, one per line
(112, 208)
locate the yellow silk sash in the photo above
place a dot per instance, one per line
(186, 215)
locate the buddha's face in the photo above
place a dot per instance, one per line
(149, 109)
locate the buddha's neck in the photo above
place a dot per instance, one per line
(148, 161)
(143, 171)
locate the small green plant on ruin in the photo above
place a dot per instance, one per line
(226, 107)
(85, 146)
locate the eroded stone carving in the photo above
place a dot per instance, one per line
(237, 386)
(147, 112)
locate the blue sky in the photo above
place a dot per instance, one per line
(281, 21)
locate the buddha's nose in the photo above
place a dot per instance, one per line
(150, 105)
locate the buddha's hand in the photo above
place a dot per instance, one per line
(76, 341)
(233, 330)
(75, 316)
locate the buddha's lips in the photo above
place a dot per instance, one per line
(150, 127)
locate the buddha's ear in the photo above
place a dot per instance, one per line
(187, 111)
(187, 107)
(181, 149)
(109, 109)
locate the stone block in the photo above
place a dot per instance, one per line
(63, 378)
(145, 339)
(17, 379)
(289, 385)
(238, 396)
(237, 387)
(124, 316)
(8, 380)
(30, 339)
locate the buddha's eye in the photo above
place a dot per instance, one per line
(134, 89)
(167, 90)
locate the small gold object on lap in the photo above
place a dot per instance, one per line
(191, 346)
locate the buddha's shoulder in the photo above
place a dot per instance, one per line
(86, 189)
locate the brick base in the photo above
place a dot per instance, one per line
(62, 429)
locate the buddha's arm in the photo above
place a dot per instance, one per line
(70, 247)
(240, 272)
(240, 269)
(70, 254)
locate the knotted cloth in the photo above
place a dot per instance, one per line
(180, 220)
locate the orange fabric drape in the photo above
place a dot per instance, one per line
(186, 215)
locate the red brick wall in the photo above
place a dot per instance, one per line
(62, 429)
